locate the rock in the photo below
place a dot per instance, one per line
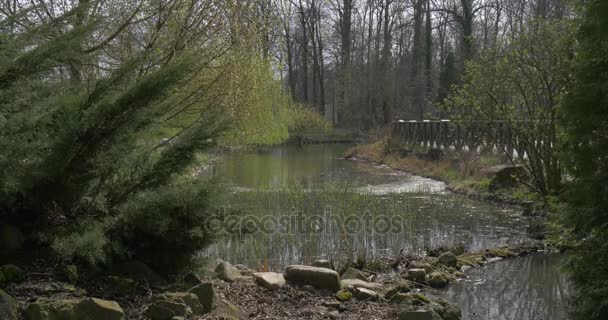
(366, 294)
(409, 298)
(140, 272)
(241, 267)
(420, 265)
(438, 280)
(206, 295)
(8, 307)
(227, 272)
(416, 275)
(352, 273)
(98, 309)
(392, 289)
(52, 309)
(321, 278)
(247, 273)
(446, 310)
(356, 283)
(308, 288)
(10, 273)
(506, 176)
(344, 295)
(122, 286)
(166, 310)
(46, 288)
(322, 264)
(68, 273)
(448, 259)
(188, 298)
(331, 304)
(418, 315)
(227, 311)
(269, 280)
(11, 238)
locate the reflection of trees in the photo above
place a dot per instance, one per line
(514, 289)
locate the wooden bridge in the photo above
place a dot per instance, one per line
(459, 135)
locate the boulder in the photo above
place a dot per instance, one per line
(366, 294)
(410, 299)
(446, 310)
(269, 280)
(420, 265)
(320, 278)
(448, 259)
(10, 273)
(227, 311)
(420, 314)
(192, 279)
(438, 280)
(352, 273)
(356, 283)
(98, 309)
(206, 295)
(227, 272)
(506, 176)
(166, 310)
(322, 263)
(188, 298)
(8, 307)
(416, 275)
(52, 309)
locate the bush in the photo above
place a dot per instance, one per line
(165, 227)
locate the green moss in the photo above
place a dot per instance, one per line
(500, 252)
(11, 274)
(344, 295)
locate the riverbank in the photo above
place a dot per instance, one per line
(405, 289)
(488, 177)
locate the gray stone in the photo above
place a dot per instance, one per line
(438, 280)
(448, 259)
(8, 306)
(52, 309)
(446, 310)
(269, 280)
(206, 295)
(365, 294)
(322, 263)
(356, 283)
(418, 315)
(188, 298)
(98, 309)
(227, 311)
(352, 273)
(227, 272)
(416, 275)
(320, 278)
(166, 310)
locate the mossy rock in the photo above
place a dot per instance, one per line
(98, 309)
(503, 252)
(122, 286)
(344, 295)
(438, 280)
(10, 273)
(409, 298)
(50, 309)
(8, 307)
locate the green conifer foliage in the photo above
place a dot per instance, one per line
(585, 118)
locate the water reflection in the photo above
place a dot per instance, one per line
(528, 288)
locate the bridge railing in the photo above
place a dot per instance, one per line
(460, 135)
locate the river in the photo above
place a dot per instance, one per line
(292, 204)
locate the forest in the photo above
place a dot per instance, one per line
(352, 158)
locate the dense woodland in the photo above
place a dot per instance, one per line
(107, 108)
